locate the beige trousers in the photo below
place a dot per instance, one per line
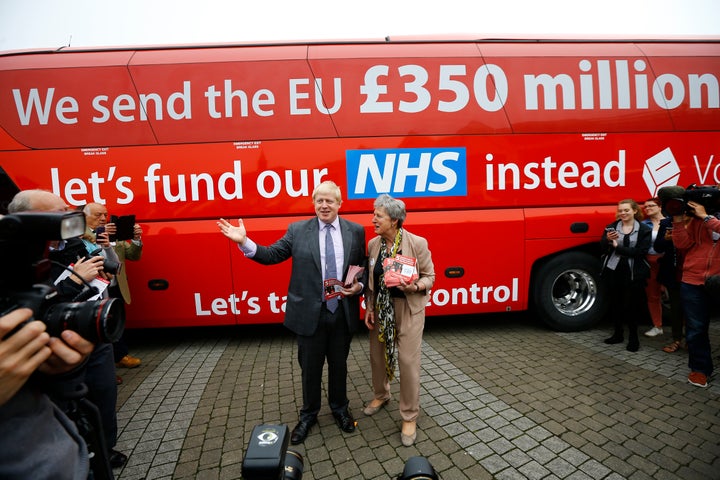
(409, 330)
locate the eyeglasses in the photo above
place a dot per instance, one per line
(651, 206)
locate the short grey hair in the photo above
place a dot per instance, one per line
(22, 201)
(395, 208)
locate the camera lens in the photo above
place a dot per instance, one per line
(674, 206)
(293, 466)
(98, 321)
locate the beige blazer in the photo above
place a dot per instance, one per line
(411, 246)
(126, 250)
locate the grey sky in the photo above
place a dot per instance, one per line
(53, 23)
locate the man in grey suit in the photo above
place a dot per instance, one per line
(321, 248)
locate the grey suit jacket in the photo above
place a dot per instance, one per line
(305, 291)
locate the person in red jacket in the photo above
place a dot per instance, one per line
(699, 238)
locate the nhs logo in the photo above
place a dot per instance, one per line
(406, 172)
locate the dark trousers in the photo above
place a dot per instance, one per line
(676, 313)
(120, 348)
(696, 304)
(102, 388)
(629, 301)
(331, 342)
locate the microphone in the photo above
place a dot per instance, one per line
(670, 192)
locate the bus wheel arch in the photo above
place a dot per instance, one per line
(567, 292)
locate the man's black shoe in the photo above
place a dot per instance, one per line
(300, 432)
(117, 459)
(345, 421)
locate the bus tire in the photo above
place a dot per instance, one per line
(567, 292)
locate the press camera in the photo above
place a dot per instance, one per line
(418, 468)
(25, 277)
(268, 456)
(675, 199)
(110, 266)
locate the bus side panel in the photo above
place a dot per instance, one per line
(261, 290)
(383, 74)
(488, 246)
(549, 231)
(701, 110)
(277, 177)
(232, 93)
(577, 222)
(183, 278)
(178, 187)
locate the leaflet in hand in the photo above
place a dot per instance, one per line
(354, 271)
(400, 268)
(98, 282)
(333, 286)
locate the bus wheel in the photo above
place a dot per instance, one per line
(567, 292)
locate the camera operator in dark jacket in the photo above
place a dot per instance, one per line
(100, 369)
(43, 362)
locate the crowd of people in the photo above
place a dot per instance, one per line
(34, 366)
(648, 259)
(43, 379)
(651, 257)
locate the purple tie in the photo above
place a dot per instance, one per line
(330, 267)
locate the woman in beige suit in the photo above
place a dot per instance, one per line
(396, 315)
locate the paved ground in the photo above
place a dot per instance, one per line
(502, 397)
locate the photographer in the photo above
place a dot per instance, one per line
(96, 216)
(699, 238)
(37, 440)
(100, 370)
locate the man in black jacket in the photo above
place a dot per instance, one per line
(100, 370)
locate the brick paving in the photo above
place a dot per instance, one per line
(502, 397)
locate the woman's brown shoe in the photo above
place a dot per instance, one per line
(371, 409)
(408, 439)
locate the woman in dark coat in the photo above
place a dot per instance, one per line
(625, 244)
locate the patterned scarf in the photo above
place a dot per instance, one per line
(385, 310)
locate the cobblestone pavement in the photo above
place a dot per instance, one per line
(502, 397)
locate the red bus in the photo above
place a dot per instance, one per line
(511, 155)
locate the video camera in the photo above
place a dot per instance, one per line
(268, 458)
(25, 277)
(675, 199)
(418, 468)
